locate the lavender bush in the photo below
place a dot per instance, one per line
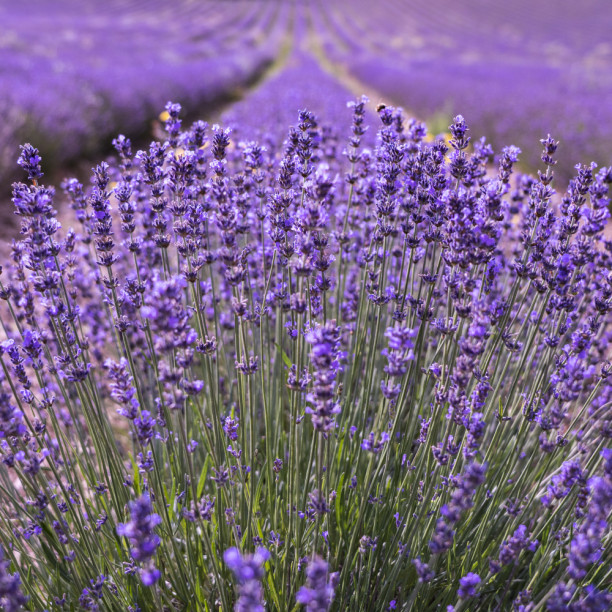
(370, 379)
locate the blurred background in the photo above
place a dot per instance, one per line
(74, 74)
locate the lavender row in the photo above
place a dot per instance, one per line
(513, 69)
(72, 75)
(301, 82)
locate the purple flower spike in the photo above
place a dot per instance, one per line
(30, 160)
(318, 593)
(324, 357)
(248, 571)
(230, 427)
(510, 550)
(11, 597)
(469, 583)
(143, 540)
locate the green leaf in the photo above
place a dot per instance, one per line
(273, 591)
(135, 475)
(256, 501)
(339, 504)
(284, 355)
(203, 474)
(171, 500)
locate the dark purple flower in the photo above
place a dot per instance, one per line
(561, 485)
(560, 598)
(230, 427)
(122, 388)
(91, 595)
(442, 538)
(459, 130)
(550, 148)
(586, 546)
(144, 425)
(465, 486)
(399, 353)
(248, 367)
(593, 600)
(173, 123)
(373, 445)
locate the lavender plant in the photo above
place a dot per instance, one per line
(360, 379)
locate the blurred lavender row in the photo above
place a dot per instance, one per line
(513, 68)
(72, 74)
(300, 82)
(280, 98)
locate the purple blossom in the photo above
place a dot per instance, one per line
(469, 584)
(144, 426)
(372, 445)
(560, 599)
(230, 427)
(29, 160)
(399, 353)
(11, 597)
(122, 388)
(571, 474)
(324, 357)
(249, 572)
(91, 595)
(461, 500)
(510, 549)
(424, 572)
(318, 594)
(585, 547)
(142, 537)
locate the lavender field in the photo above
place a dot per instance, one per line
(73, 76)
(309, 306)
